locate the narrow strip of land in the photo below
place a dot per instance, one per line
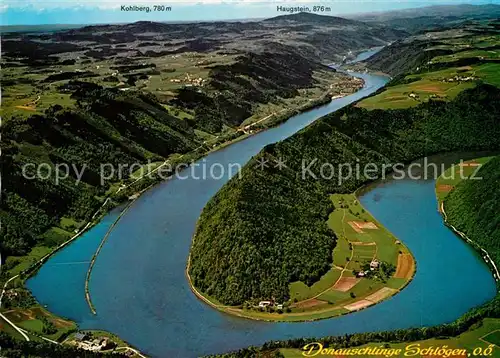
(447, 183)
(96, 254)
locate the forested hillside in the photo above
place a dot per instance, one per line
(252, 79)
(474, 208)
(106, 127)
(267, 229)
(129, 94)
(403, 57)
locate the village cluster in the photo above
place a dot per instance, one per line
(265, 304)
(344, 88)
(189, 81)
(460, 79)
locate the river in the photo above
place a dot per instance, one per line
(141, 293)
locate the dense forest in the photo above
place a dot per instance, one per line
(474, 208)
(268, 228)
(106, 126)
(101, 113)
(112, 127)
(405, 57)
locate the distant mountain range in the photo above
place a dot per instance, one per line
(414, 20)
(313, 36)
(101, 109)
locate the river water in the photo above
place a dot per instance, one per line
(141, 293)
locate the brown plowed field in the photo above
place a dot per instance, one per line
(405, 267)
(346, 283)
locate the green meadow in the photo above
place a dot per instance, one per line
(353, 250)
(443, 84)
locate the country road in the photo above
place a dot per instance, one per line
(5, 288)
(15, 327)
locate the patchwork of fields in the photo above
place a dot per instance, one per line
(369, 265)
(474, 60)
(361, 241)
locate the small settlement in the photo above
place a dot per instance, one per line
(96, 344)
(271, 304)
(374, 265)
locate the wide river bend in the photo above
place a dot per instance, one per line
(141, 293)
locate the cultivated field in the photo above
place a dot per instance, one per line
(39, 322)
(360, 240)
(441, 78)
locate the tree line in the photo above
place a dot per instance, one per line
(472, 207)
(267, 229)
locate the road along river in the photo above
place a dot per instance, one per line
(141, 293)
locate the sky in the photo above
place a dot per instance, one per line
(40, 12)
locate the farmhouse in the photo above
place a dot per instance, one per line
(264, 303)
(374, 264)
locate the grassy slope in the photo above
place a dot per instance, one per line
(433, 84)
(433, 75)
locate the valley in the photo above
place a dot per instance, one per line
(275, 243)
(142, 94)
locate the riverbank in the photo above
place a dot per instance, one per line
(468, 332)
(145, 296)
(445, 184)
(175, 215)
(135, 188)
(369, 266)
(129, 189)
(115, 195)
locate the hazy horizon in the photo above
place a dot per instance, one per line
(68, 13)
